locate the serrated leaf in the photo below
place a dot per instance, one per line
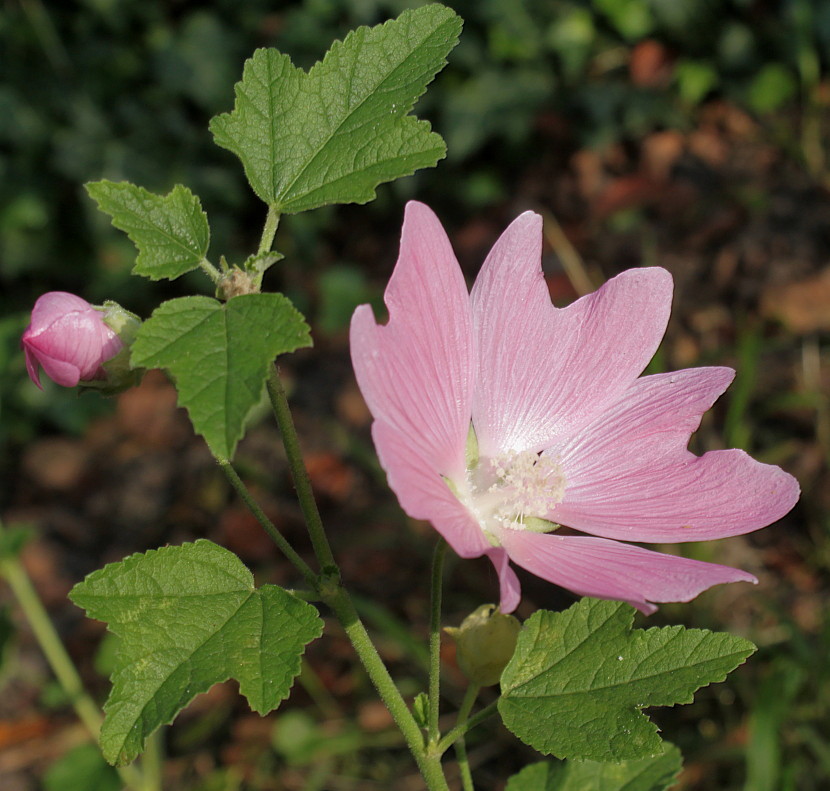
(171, 232)
(219, 354)
(577, 683)
(188, 617)
(333, 134)
(646, 774)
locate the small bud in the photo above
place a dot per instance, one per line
(485, 643)
(420, 709)
(236, 282)
(77, 343)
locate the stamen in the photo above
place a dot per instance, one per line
(510, 490)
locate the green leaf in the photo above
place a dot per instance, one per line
(646, 774)
(83, 767)
(219, 354)
(579, 679)
(333, 134)
(189, 617)
(171, 232)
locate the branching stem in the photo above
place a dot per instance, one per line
(267, 525)
(337, 597)
(465, 724)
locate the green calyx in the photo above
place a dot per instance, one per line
(120, 375)
(485, 643)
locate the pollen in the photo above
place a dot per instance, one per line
(506, 490)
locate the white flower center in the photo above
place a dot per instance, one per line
(509, 490)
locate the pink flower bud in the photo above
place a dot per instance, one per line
(69, 339)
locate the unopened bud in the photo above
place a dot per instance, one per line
(485, 642)
(77, 343)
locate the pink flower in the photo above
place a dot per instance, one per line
(566, 429)
(69, 339)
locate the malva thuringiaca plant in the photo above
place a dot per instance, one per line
(499, 418)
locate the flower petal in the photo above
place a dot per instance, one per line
(77, 339)
(416, 371)
(611, 570)
(543, 371)
(32, 364)
(62, 373)
(51, 306)
(510, 589)
(423, 494)
(629, 475)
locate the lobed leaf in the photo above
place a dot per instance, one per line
(219, 354)
(333, 134)
(171, 232)
(577, 683)
(188, 617)
(645, 774)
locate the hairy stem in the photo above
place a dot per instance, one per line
(299, 474)
(267, 525)
(435, 639)
(337, 597)
(210, 270)
(465, 724)
(428, 762)
(460, 747)
(464, 766)
(272, 221)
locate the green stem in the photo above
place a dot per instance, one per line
(464, 766)
(435, 640)
(272, 221)
(268, 525)
(465, 725)
(428, 762)
(210, 270)
(460, 747)
(152, 762)
(299, 474)
(62, 666)
(338, 599)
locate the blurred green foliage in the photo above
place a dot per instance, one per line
(123, 89)
(82, 767)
